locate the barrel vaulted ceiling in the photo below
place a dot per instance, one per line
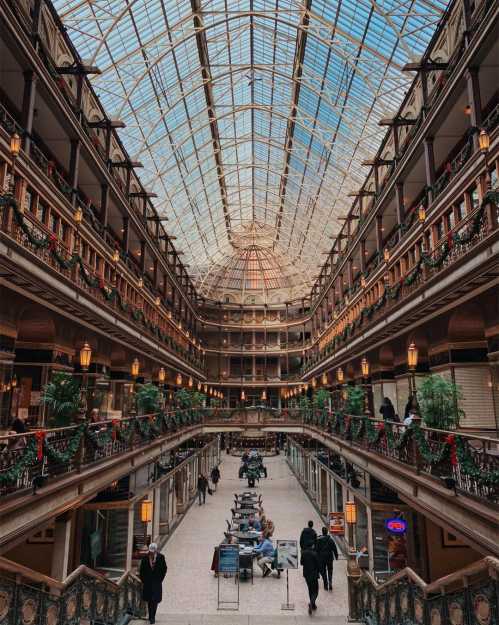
(251, 115)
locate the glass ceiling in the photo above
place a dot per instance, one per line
(251, 112)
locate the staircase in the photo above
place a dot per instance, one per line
(84, 597)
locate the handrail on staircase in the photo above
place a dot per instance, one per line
(85, 594)
(405, 597)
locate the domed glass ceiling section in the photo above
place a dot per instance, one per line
(251, 110)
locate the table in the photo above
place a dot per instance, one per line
(251, 537)
(245, 511)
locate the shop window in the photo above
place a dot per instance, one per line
(64, 232)
(461, 210)
(28, 200)
(493, 177)
(439, 230)
(449, 220)
(54, 223)
(473, 196)
(41, 212)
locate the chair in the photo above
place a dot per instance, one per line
(228, 525)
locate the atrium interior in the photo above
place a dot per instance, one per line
(249, 280)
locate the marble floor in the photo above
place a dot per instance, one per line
(190, 589)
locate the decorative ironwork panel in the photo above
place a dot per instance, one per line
(7, 602)
(484, 604)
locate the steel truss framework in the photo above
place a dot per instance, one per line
(252, 114)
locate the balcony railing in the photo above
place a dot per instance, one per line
(24, 228)
(457, 243)
(30, 460)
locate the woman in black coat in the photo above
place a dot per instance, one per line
(152, 573)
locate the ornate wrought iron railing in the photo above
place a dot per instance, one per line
(85, 596)
(469, 596)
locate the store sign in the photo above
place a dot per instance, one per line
(337, 523)
(228, 559)
(396, 526)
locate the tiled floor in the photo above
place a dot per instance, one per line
(190, 589)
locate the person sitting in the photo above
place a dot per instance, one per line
(269, 527)
(253, 523)
(265, 554)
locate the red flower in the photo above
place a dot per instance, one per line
(380, 426)
(116, 424)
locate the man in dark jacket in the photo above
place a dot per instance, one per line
(152, 573)
(202, 486)
(326, 550)
(310, 564)
(215, 476)
(308, 537)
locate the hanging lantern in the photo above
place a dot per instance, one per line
(178, 380)
(78, 216)
(140, 283)
(264, 395)
(351, 512)
(13, 382)
(421, 214)
(199, 386)
(146, 511)
(314, 382)
(15, 145)
(305, 387)
(206, 388)
(135, 368)
(243, 395)
(161, 375)
(412, 356)
(339, 375)
(364, 363)
(386, 254)
(190, 382)
(484, 141)
(362, 282)
(85, 356)
(116, 256)
(324, 379)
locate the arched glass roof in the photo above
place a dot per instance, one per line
(251, 111)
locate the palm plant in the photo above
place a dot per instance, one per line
(439, 400)
(354, 403)
(62, 397)
(148, 398)
(320, 403)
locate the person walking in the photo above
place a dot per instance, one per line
(326, 551)
(215, 477)
(152, 573)
(310, 564)
(202, 486)
(308, 537)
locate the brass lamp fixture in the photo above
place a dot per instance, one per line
(351, 512)
(135, 368)
(162, 375)
(324, 379)
(264, 395)
(314, 382)
(157, 301)
(15, 145)
(190, 382)
(78, 216)
(145, 516)
(85, 356)
(340, 376)
(243, 395)
(421, 214)
(412, 356)
(364, 363)
(140, 283)
(386, 254)
(116, 256)
(412, 363)
(178, 380)
(484, 143)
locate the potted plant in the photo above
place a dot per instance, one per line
(320, 403)
(62, 397)
(147, 399)
(438, 399)
(354, 403)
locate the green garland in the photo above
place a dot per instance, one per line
(487, 479)
(62, 457)
(28, 459)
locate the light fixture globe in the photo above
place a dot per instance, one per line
(340, 376)
(85, 356)
(161, 375)
(178, 380)
(364, 364)
(484, 141)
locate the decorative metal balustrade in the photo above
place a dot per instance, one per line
(30, 460)
(467, 597)
(84, 597)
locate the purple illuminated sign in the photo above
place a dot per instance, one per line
(396, 526)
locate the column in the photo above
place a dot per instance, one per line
(156, 507)
(104, 204)
(429, 159)
(475, 101)
(379, 234)
(399, 196)
(74, 165)
(126, 235)
(60, 552)
(363, 255)
(29, 97)
(129, 542)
